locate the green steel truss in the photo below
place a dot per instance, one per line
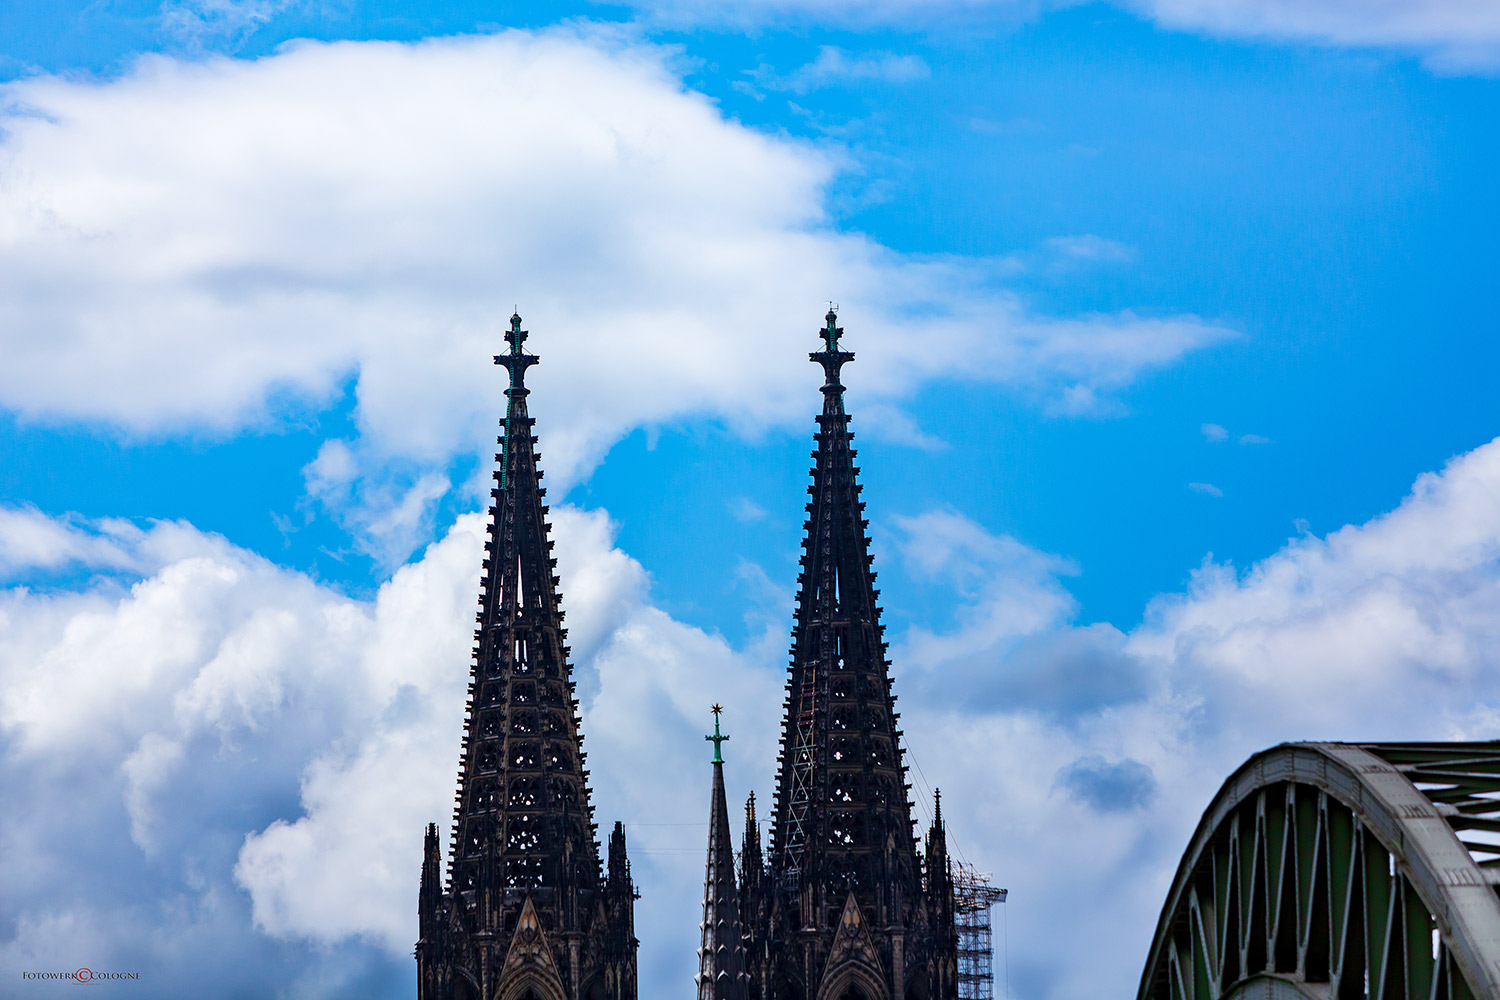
(1336, 871)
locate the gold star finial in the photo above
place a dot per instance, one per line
(716, 739)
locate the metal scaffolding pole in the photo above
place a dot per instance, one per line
(972, 898)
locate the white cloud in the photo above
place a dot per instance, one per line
(30, 539)
(146, 729)
(1218, 434)
(1008, 647)
(196, 21)
(1453, 35)
(890, 423)
(1339, 624)
(850, 13)
(206, 245)
(1092, 249)
(945, 544)
(202, 641)
(331, 473)
(747, 511)
(834, 67)
(1207, 489)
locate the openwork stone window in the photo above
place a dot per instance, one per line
(843, 787)
(476, 835)
(521, 833)
(850, 873)
(522, 872)
(841, 750)
(486, 794)
(845, 829)
(523, 793)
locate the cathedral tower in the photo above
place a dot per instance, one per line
(526, 913)
(846, 909)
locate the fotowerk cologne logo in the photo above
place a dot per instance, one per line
(82, 975)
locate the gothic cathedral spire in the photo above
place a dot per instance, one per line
(526, 911)
(848, 910)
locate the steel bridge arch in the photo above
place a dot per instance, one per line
(1335, 871)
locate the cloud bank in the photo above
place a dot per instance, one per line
(247, 759)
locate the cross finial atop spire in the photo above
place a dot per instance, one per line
(833, 356)
(515, 361)
(716, 739)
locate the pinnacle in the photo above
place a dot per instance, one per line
(721, 970)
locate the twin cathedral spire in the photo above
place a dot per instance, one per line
(525, 912)
(843, 906)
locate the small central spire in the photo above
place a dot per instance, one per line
(721, 957)
(716, 739)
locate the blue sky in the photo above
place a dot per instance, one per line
(1176, 333)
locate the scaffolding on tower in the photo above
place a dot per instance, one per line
(973, 895)
(804, 765)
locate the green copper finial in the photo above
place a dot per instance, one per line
(517, 335)
(516, 361)
(832, 331)
(717, 739)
